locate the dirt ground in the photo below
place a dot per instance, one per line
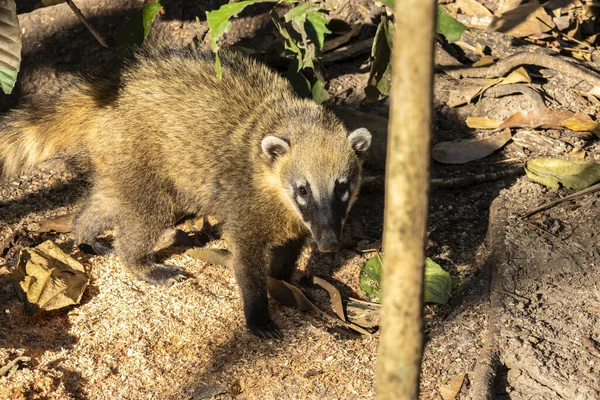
(131, 340)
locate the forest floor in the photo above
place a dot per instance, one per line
(525, 295)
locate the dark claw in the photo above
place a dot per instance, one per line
(97, 248)
(162, 275)
(267, 331)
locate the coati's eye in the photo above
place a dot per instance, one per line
(302, 191)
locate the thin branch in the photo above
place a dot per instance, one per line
(87, 24)
(591, 189)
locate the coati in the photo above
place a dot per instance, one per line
(176, 139)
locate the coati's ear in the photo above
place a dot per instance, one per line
(274, 147)
(360, 140)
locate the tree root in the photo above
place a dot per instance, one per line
(509, 63)
(482, 377)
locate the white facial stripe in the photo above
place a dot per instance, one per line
(301, 200)
(346, 196)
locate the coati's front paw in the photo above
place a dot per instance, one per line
(266, 331)
(97, 247)
(161, 275)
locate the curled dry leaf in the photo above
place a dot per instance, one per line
(61, 224)
(48, 279)
(576, 175)
(13, 365)
(546, 118)
(363, 313)
(464, 151)
(290, 296)
(452, 387)
(524, 20)
(212, 256)
(334, 296)
(537, 142)
(483, 123)
(473, 8)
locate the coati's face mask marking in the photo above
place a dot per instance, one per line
(321, 190)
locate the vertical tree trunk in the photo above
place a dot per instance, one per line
(407, 182)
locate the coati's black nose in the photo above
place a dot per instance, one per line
(328, 242)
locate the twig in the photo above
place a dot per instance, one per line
(506, 65)
(591, 189)
(543, 230)
(349, 51)
(569, 38)
(87, 24)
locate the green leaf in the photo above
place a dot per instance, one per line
(8, 77)
(299, 82)
(370, 279)
(379, 83)
(218, 20)
(319, 93)
(316, 28)
(576, 175)
(299, 12)
(389, 3)
(437, 283)
(10, 46)
(448, 26)
(137, 27)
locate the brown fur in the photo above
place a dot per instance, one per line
(175, 139)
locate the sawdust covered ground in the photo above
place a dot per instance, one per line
(131, 340)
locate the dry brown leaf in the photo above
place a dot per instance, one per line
(450, 390)
(13, 365)
(49, 279)
(485, 61)
(334, 295)
(537, 142)
(472, 8)
(462, 95)
(519, 75)
(546, 118)
(61, 224)
(579, 125)
(363, 313)
(213, 256)
(290, 296)
(578, 153)
(483, 123)
(464, 151)
(524, 20)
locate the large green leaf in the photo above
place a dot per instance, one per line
(218, 20)
(137, 27)
(574, 174)
(316, 28)
(10, 45)
(437, 282)
(448, 26)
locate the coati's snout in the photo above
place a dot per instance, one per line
(320, 181)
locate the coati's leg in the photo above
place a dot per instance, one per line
(250, 264)
(143, 216)
(92, 220)
(136, 237)
(284, 258)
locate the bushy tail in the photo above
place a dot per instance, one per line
(38, 131)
